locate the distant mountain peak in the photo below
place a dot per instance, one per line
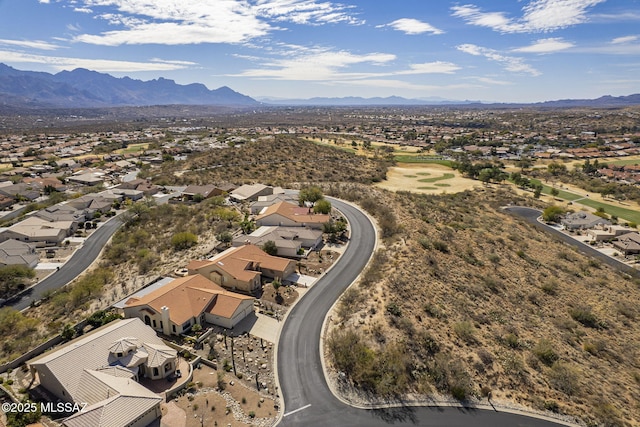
(89, 89)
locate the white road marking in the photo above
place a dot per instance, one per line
(297, 410)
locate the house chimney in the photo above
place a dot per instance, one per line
(166, 328)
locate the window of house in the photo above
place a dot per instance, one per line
(155, 372)
(174, 328)
(154, 323)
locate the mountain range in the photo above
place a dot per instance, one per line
(83, 88)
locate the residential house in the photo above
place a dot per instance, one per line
(88, 177)
(266, 201)
(21, 191)
(6, 201)
(250, 192)
(195, 192)
(98, 202)
(177, 306)
(101, 369)
(39, 231)
(51, 182)
(14, 252)
(628, 244)
(288, 240)
(604, 233)
(290, 215)
(63, 212)
(143, 185)
(582, 220)
(242, 268)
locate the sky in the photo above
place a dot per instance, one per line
(486, 50)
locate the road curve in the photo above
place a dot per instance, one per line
(531, 215)
(79, 261)
(308, 401)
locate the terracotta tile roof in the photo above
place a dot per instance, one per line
(189, 297)
(226, 303)
(242, 256)
(294, 213)
(183, 303)
(196, 264)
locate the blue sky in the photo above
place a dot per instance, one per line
(505, 51)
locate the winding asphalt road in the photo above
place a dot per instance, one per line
(79, 261)
(308, 401)
(531, 215)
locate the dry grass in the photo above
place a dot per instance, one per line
(525, 315)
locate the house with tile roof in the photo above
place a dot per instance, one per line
(582, 220)
(39, 231)
(114, 401)
(102, 369)
(242, 268)
(14, 252)
(628, 244)
(250, 192)
(265, 201)
(289, 215)
(288, 240)
(177, 306)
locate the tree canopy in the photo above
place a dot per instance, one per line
(310, 194)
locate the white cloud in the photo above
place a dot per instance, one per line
(303, 64)
(103, 65)
(489, 80)
(537, 16)
(412, 26)
(624, 40)
(33, 44)
(316, 65)
(438, 67)
(305, 12)
(170, 22)
(83, 10)
(545, 46)
(513, 64)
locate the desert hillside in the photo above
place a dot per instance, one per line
(274, 160)
(466, 299)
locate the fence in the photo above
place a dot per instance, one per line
(38, 350)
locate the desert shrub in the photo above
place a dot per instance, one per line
(465, 330)
(449, 375)
(512, 340)
(594, 347)
(585, 316)
(564, 377)
(544, 352)
(384, 373)
(441, 246)
(350, 302)
(433, 310)
(393, 309)
(485, 357)
(424, 242)
(183, 240)
(550, 287)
